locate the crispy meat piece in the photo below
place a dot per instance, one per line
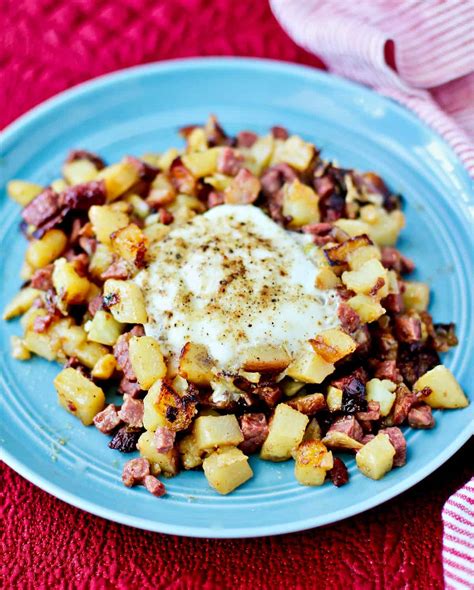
(387, 370)
(131, 412)
(279, 132)
(403, 402)
(43, 278)
(394, 260)
(229, 162)
(408, 328)
(399, 443)
(349, 319)
(135, 471)
(372, 413)
(255, 430)
(246, 139)
(164, 439)
(421, 417)
(43, 210)
(154, 486)
(117, 270)
(107, 420)
(349, 426)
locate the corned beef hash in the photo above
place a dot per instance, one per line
(244, 296)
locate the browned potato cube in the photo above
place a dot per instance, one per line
(300, 203)
(333, 345)
(79, 395)
(130, 243)
(70, 286)
(125, 301)
(445, 390)
(266, 359)
(227, 469)
(312, 462)
(147, 360)
(195, 364)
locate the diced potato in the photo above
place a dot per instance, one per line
(308, 403)
(340, 253)
(211, 432)
(28, 318)
(89, 353)
(259, 155)
(370, 279)
(21, 302)
(119, 178)
(139, 206)
(333, 345)
(41, 344)
(79, 171)
(334, 398)
(359, 257)
(162, 191)
(383, 227)
(445, 390)
(291, 387)
(313, 431)
(165, 406)
(312, 462)
(201, 164)
(296, 152)
(227, 469)
(353, 227)
(196, 141)
(26, 271)
(104, 367)
(130, 243)
(166, 159)
(68, 283)
(59, 185)
(340, 440)
(100, 260)
(195, 364)
(71, 337)
(300, 203)
(286, 431)
(19, 351)
(382, 391)
(147, 360)
(43, 251)
(366, 307)
(106, 220)
(23, 192)
(310, 368)
(190, 454)
(165, 463)
(104, 328)
(375, 458)
(125, 301)
(326, 278)
(78, 395)
(219, 181)
(156, 232)
(416, 296)
(266, 359)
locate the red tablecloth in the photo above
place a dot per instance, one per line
(50, 45)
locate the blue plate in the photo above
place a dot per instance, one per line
(140, 110)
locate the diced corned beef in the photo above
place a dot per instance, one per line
(245, 187)
(131, 412)
(414, 360)
(403, 402)
(421, 417)
(86, 155)
(107, 420)
(229, 162)
(372, 412)
(324, 186)
(393, 303)
(388, 370)
(275, 177)
(246, 139)
(394, 260)
(408, 328)
(43, 278)
(255, 430)
(215, 198)
(43, 208)
(154, 486)
(135, 471)
(321, 232)
(74, 363)
(270, 393)
(164, 439)
(349, 426)
(349, 319)
(166, 217)
(359, 374)
(367, 438)
(279, 132)
(95, 305)
(117, 270)
(308, 404)
(385, 344)
(339, 474)
(181, 178)
(130, 388)
(215, 133)
(81, 197)
(399, 444)
(122, 356)
(363, 339)
(42, 322)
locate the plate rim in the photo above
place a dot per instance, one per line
(264, 64)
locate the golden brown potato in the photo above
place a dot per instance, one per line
(106, 220)
(119, 178)
(23, 192)
(366, 307)
(79, 171)
(191, 455)
(43, 251)
(341, 253)
(300, 203)
(312, 462)
(195, 364)
(70, 286)
(125, 301)
(266, 359)
(78, 395)
(21, 302)
(201, 164)
(164, 406)
(333, 345)
(104, 367)
(19, 350)
(370, 279)
(211, 432)
(383, 392)
(130, 243)
(165, 463)
(310, 367)
(147, 360)
(104, 328)
(416, 296)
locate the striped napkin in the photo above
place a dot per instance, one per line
(421, 53)
(458, 539)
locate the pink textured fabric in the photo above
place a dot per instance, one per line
(419, 53)
(458, 539)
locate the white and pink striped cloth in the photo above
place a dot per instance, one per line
(419, 52)
(458, 539)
